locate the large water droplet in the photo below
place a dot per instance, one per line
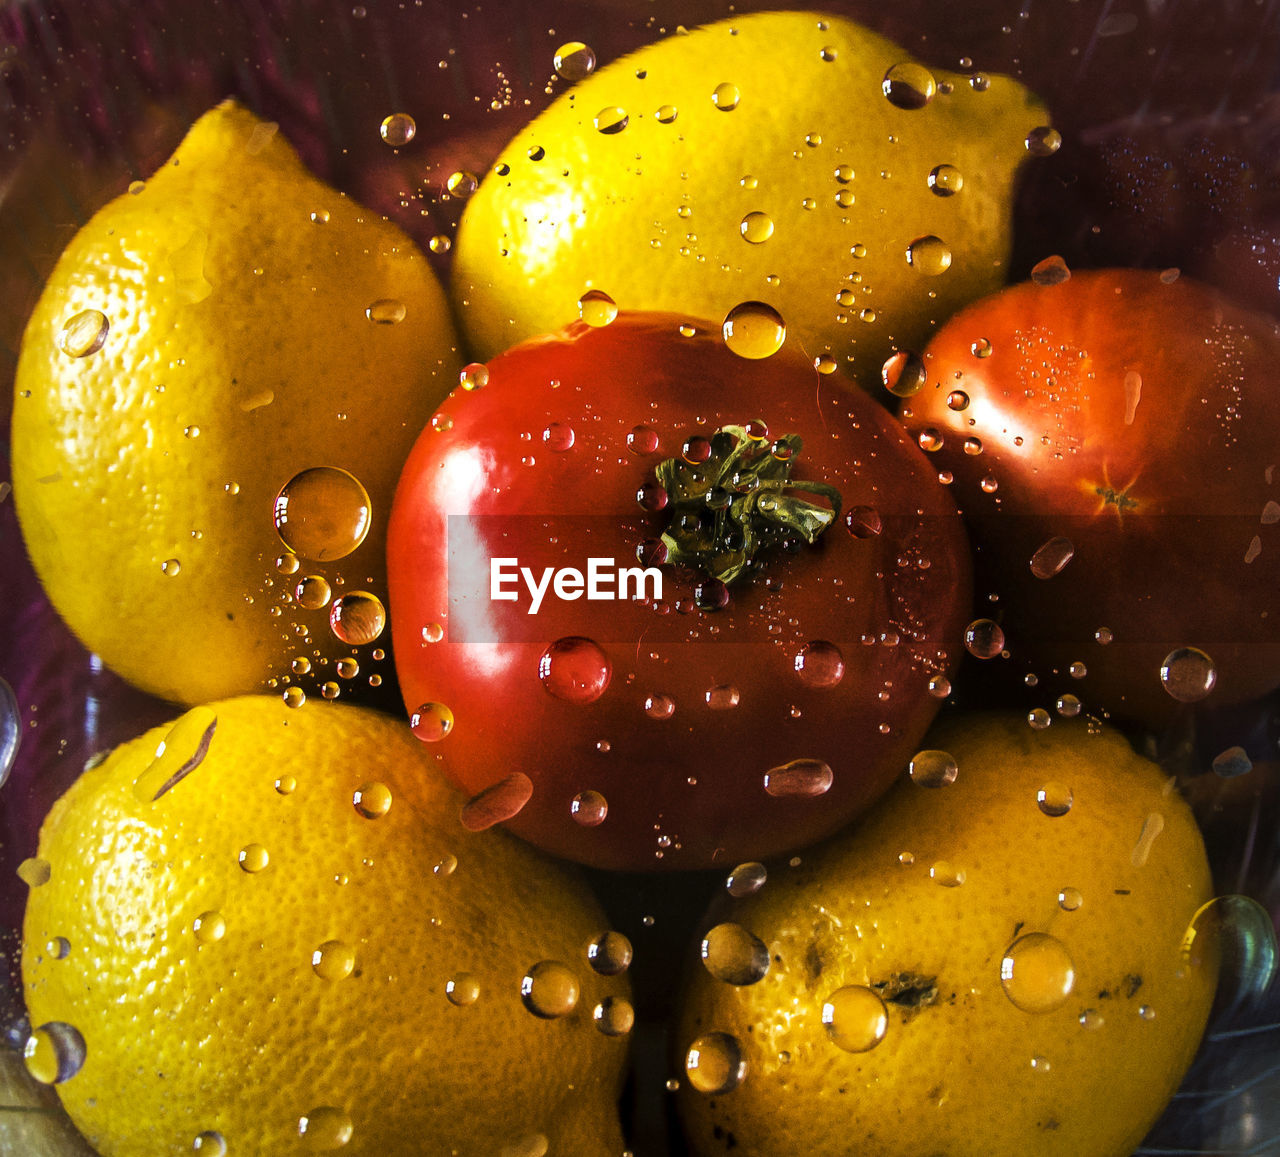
(253, 858)
(929, 255)
(734, 955)
(611, 120)
(497, 803)
(462, 989)
(398, 129)
(1050, 557)
(1239, 933)
(550, 989)
(725, 97)
(84, 333)
(386, 311)
(431, 722)
(609, 953)
(746, 879)
(325, 1128)
(855, 1018)
(984, 639)
(1054, 799)
(372, 800)
(819, 664)
(322, 513)
(801, 778)
(903, 374)
(1037, 973)
(357, 618)
(574, 61)
(945, 180)
(909, 85)
(715, 1063)
(932, 768)
(54, 1052)
(333, 960)
(756, 227)
(589, 808)
(754, 329)
(614, 1016)
(1188, 674)
(575, 669)
(209, 927)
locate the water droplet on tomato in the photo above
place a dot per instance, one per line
(398, 129)
(431, 722)
(734, 955)
(723, 697)
(801, 778)
(589, 808)
(1038, 719)
(558, 436)
(575, 669)
(659, 705)
(819, 664)
(1188, 674)
(1152, 826)
(497, 803)
(984, 639)
(642, 440)
(1051, 556)
(474, 376)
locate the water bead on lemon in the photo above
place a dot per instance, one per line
(768, 158)
(338, 964)
(233, 359)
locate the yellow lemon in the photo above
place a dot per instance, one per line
(266, 929)
(207, 338)
(786, 158)
(1003, 959)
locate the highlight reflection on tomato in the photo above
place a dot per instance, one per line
(765, 698)
(1112, 441)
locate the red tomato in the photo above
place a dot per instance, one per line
(1125, 421)
(732, 718)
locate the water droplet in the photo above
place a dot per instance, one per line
(1038, 719)
(756, 228)
(293, 697)
(177, 755)
(84, 333)
(715, 1063)
(558, 437)
(325, 1128)
(597, 308)
(903, 374)
(932, 768)
(398, 129)
(440, 243)
(58, 948)
(939, 686)
(1054, 799)
(1152, 826)
(957, 400)
(529, 1145)
(1091, 1018)
(1070, 899)
(10, 729)
(801, 778)
(574, 61)
(855, 1018)
(1238, 931)
(723, 697)
(929, 255)
(754, 330)
(725, 96)
(945, 180)
(313, 592)
(984, 639)
(357, 618)
(497, 803)
(1037, 973)
(320, 216)
(386, 311)
(734, 955)
(536, 152)
(322, 513)
(575, 669)
(1043, 141)
(609, 953)
(1069, 706)
(333, 960)
(1188, 674)
(819, 664)
(54, 1052)
(431, 722)
(909, 85)
(34, 872)
(253, 858)
(210, 1143)
(446, 867)
(372, 800)
(611, 120)
(1051, 557)
(550, 989)
(659, 706)
(642, 440)
(432, 633)
(589, 808)
(461, 184)
(474, 376)
(947, 874)
(1232, 762)
(666, 114)
(462, 989)
(209, 927)
(614, 1016)
(1050, 271)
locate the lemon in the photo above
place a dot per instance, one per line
(786, 158)
(206, 338)
(297, 946)
(999, 964)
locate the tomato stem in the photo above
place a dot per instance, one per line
(738, 500)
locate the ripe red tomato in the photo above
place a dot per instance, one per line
(1124, 421)
(732, 718)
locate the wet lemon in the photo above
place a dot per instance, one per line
(997, 963)
(227, 328)
(267, 927)
(787, 158)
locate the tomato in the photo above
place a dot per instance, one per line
(1113, 444)
(758, 701)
